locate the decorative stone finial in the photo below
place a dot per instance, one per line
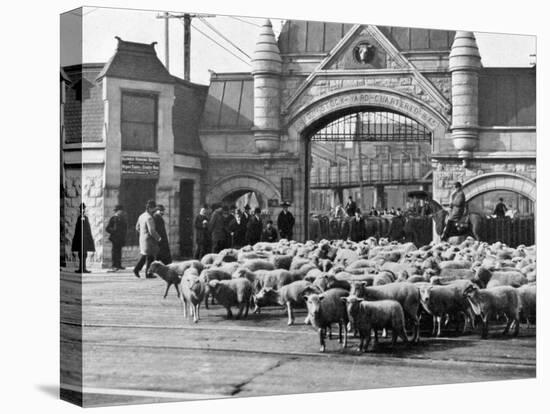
(266, 56)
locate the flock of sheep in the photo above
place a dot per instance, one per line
(367, 286)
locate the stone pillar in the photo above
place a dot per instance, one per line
(266, 69)
(464, 65)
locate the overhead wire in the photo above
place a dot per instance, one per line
(219, 44)
(244, 21)
(211, 26)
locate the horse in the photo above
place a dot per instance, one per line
(474, 228)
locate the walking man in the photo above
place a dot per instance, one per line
(285, 222)
(148, 239)
(83, 242)
(164, 248)
(254, 228)
(117, 228)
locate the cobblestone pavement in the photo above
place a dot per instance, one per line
(138, 348)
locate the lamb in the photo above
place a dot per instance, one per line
(170, 276)
(193, 289)
(234, 292)
(326, 309)
(528, 302)
(487, 303)
(447, 300)
(406, 294)
(382, 314)
(291, 296)
(210, 274)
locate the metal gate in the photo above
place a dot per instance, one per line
(513, 232)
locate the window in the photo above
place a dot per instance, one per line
(139, 121)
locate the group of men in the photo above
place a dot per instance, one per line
(232, 228)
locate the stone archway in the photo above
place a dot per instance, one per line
(500, 181)
(240, 183)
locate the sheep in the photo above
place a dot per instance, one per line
(487, 303)
(209, 274)
(509, 278)
(528, 302)
(457, 273)
(170, 276)
(384, 277)
(326, 309)
(366, 316)
(455, 264)
(181, 267)
(281, 261)
(234, 292)
(406, 294)
(193, 289)
(258, 264)
(400, 267)
(298, 262)
(447, 300)
(209, 258)
(226, 256)
(290, 296)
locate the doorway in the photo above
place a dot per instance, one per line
(186, 217)
(134, 193)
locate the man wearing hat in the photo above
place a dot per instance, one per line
(458, 207)
(148, 239)
(164, 248)
(246, 215)
(216, 228)
(254, 228)
(83, 241)
(117, 228)
(285, 222)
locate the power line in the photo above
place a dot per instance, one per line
(220, 45)
(223, 37)
(244, 21)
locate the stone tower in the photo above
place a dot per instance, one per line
(464, 65)
(266, 69)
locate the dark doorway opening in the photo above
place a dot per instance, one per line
(186, 217)
(133, 195)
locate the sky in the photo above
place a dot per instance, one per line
(101, 25)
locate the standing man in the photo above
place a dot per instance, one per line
(285, 222)
(500, 208)
(350, 207)
(254, 228)
(202, 240)
(237, 229)
(117, 229)
(148, 239)
(269, 234)
(216, 228)
(357, 227)
(458, 206)
(246, 215)
(164, 248)
(83, 242)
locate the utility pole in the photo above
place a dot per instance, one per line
(166, 17)
(186, 17)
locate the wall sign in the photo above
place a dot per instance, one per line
(273, 202)
(287, 189)
(140, 166)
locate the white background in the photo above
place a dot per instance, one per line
(29, 131)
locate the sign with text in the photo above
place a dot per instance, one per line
(287, 190)
(140, 166)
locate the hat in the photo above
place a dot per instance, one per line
(118, 207)
(247, 207)
(285, 204)
(160, 207)
(257, 210)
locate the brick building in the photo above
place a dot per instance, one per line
(327, 110)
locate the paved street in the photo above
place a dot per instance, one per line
(138, 348)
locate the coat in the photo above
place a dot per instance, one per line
(82, 239)
(164, 248)
(237, 226)
(117, 229)
(216, 226)
(269, 235)
(198, 225)
(148, 236)
(351, 206)
(357, 229)
(253, 230)
(285, 224)
(458, 205)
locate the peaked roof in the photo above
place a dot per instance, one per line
(136, 61)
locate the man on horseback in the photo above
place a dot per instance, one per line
(458, 208)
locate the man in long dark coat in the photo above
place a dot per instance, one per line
(216, 228)
(500, 209)
(285, 222)
(269, 234)
(357, 227)
(164, 254)
(254, 228)
(458, 207)
(117, 229)
(83, 242)
(202, 240)
(351, 206)
(237, 229)
(149, 239)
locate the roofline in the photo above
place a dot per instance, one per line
(231, 76)
(83, 66)
(189, 83)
